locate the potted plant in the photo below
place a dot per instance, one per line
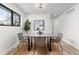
(27, 25)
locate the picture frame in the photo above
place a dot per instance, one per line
(39, 24)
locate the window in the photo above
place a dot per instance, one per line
(8, 17)
(16, 19)
(5, 16)
(39, 24)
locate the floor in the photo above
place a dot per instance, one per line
(43, 50)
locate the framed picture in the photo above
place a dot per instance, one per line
(5, 16)
(36, 24)
(39, 24)
(16, 19)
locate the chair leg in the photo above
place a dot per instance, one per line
(26, 44)
(56, 44)
(52, 44)
(61, 47)
(34, 48)
(19, 46)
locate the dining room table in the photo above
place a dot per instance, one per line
(32, 36)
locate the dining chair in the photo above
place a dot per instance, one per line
(22, 40)
(57, 39)
(39, 42)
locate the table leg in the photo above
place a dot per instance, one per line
(28, 44)
(31, 42)
(50, 45)
(47, 44)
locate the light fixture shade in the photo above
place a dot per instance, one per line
(40, 6)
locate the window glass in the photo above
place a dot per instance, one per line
(5, 16)
(16, 19)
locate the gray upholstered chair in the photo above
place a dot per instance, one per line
(57, 40)
(22, 39)
(39, 42)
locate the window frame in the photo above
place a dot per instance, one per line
(19, 19)
(11, 16)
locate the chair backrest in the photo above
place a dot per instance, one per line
(40, 40)
(20, 36)
(59, 36)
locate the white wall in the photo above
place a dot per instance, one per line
(45, 17)
(68, 24)
(8, 34)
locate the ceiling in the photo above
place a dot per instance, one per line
(54, 9)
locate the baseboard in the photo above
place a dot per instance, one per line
(70, 45)
(10, 49)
